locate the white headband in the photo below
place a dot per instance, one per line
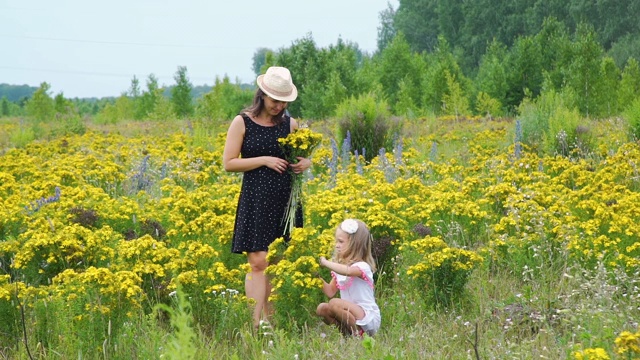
(349, 226)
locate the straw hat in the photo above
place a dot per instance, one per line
(277, 84)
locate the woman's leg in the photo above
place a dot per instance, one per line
(255, 284)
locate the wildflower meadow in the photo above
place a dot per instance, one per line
(115, 244)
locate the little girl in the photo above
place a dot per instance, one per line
(352, 267)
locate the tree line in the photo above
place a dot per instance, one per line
(432, 59)
(470, 25)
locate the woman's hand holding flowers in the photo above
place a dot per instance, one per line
(297, 147)
(302, 165)
(277, 164)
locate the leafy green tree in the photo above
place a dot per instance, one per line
(181, 94)
(621, 17)
(555, 46)
(269, 60)
(312, 100)
(324, 76)
(454, 101)
(343, 59)
(607, 102)
(15, 93)
(486, 21)
(524, 62)
(4, 108)
(134, 89)
(335, 93)
(625, 48)
(163, 110)
(121, 109)
(366, 79)
(302, 58)
(224, 101)
(259, 60)
(405, 104)
(470, 25)
(492, 75)
(151, 97)
(62, 105)
(583, 73)
(488, 106)
(396, 63)
(136, 99)
(441, 62)
(450, 19)
(386, 31)
(417, 20)
(334, 82)
(629, 89)
(41, 106)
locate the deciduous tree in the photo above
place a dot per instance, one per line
(181, 94)
(40, 106)
(629, 89)
(4, 108)
(151, 97)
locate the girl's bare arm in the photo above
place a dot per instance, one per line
(341, 269)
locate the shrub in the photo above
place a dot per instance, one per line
(368, 121)
(632, 115)
(488, 106)
(223, 101)
(23, 135)
(293, 270)
(442, 272)
(535, 117)
(565, 135)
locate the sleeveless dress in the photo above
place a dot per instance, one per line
(265, 193)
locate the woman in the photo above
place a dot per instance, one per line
(252, 148)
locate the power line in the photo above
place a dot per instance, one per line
(196, 46)
(93, 73)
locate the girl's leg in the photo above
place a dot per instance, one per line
(324, 311)
(345, 314)
(255, 284)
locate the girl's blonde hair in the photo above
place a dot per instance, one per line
(359, 247)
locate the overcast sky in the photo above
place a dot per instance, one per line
(87, 48)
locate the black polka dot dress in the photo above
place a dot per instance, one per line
(265, 193)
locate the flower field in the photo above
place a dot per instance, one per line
(482, 249)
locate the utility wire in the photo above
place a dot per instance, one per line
(122, 42)
(91, 73)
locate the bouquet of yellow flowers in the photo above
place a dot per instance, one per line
(299, 143)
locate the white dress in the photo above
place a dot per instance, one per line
(359, 290)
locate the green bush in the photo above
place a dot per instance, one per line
(441, 272)
(566, 135)
(632, 115)
(70, 124)
(224, 101)
(488, 106)
(368, 121)
(542, 120)
(23, 135)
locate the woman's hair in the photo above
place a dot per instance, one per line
(258, 106)
(359, 247)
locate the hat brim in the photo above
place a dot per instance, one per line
(289, 98)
